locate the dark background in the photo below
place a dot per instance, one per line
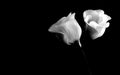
(35, 50)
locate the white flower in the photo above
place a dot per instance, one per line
(97, 20)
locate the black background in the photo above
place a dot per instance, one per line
(38, 51)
